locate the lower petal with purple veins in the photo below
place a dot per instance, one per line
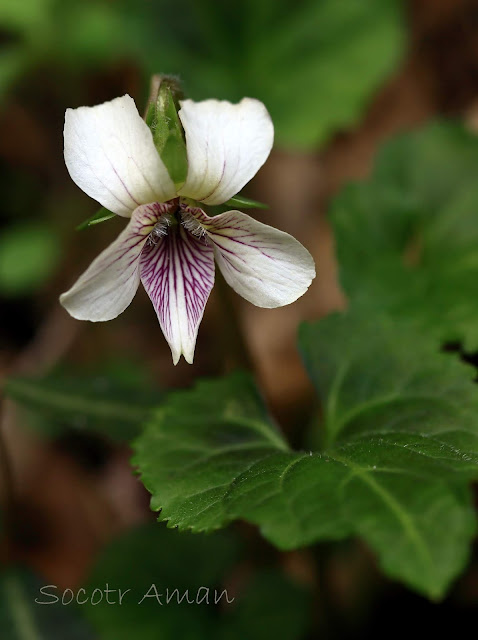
(178, 275)
(110, 282)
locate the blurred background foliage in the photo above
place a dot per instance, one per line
(288, 54)
(339, 77)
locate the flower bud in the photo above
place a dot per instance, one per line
(168, 134)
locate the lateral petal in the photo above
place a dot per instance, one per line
(265, 266)
(226, 144)
(110, 155)
(178, 275)
(110, 282)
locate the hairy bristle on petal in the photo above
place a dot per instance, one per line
(110, 282)
(178, 275)
(192, 225)
(265, 266)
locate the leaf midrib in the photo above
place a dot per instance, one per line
(389, 500)
(365, 474)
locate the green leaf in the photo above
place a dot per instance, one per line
(99, 403)
(407, 240)
(193, 564)
(403, 418)
(28, 255)
(245, 203)
(21, 618)
(340, 50)
(402, 445)
(100, 216)
(315, 64)
(206, 427)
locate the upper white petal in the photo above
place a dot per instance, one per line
(266, 266)
(110, 282)
(110, 154)
(226, 143)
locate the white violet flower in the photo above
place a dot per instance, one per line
(170, 243)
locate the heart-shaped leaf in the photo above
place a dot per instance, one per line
(407, 240)
(401, 445)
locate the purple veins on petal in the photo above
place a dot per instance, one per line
(266, 266)
(178, 275)
(107, 287)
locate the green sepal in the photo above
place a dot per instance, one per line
(168, 135)
(102, 215)
(245, 203)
